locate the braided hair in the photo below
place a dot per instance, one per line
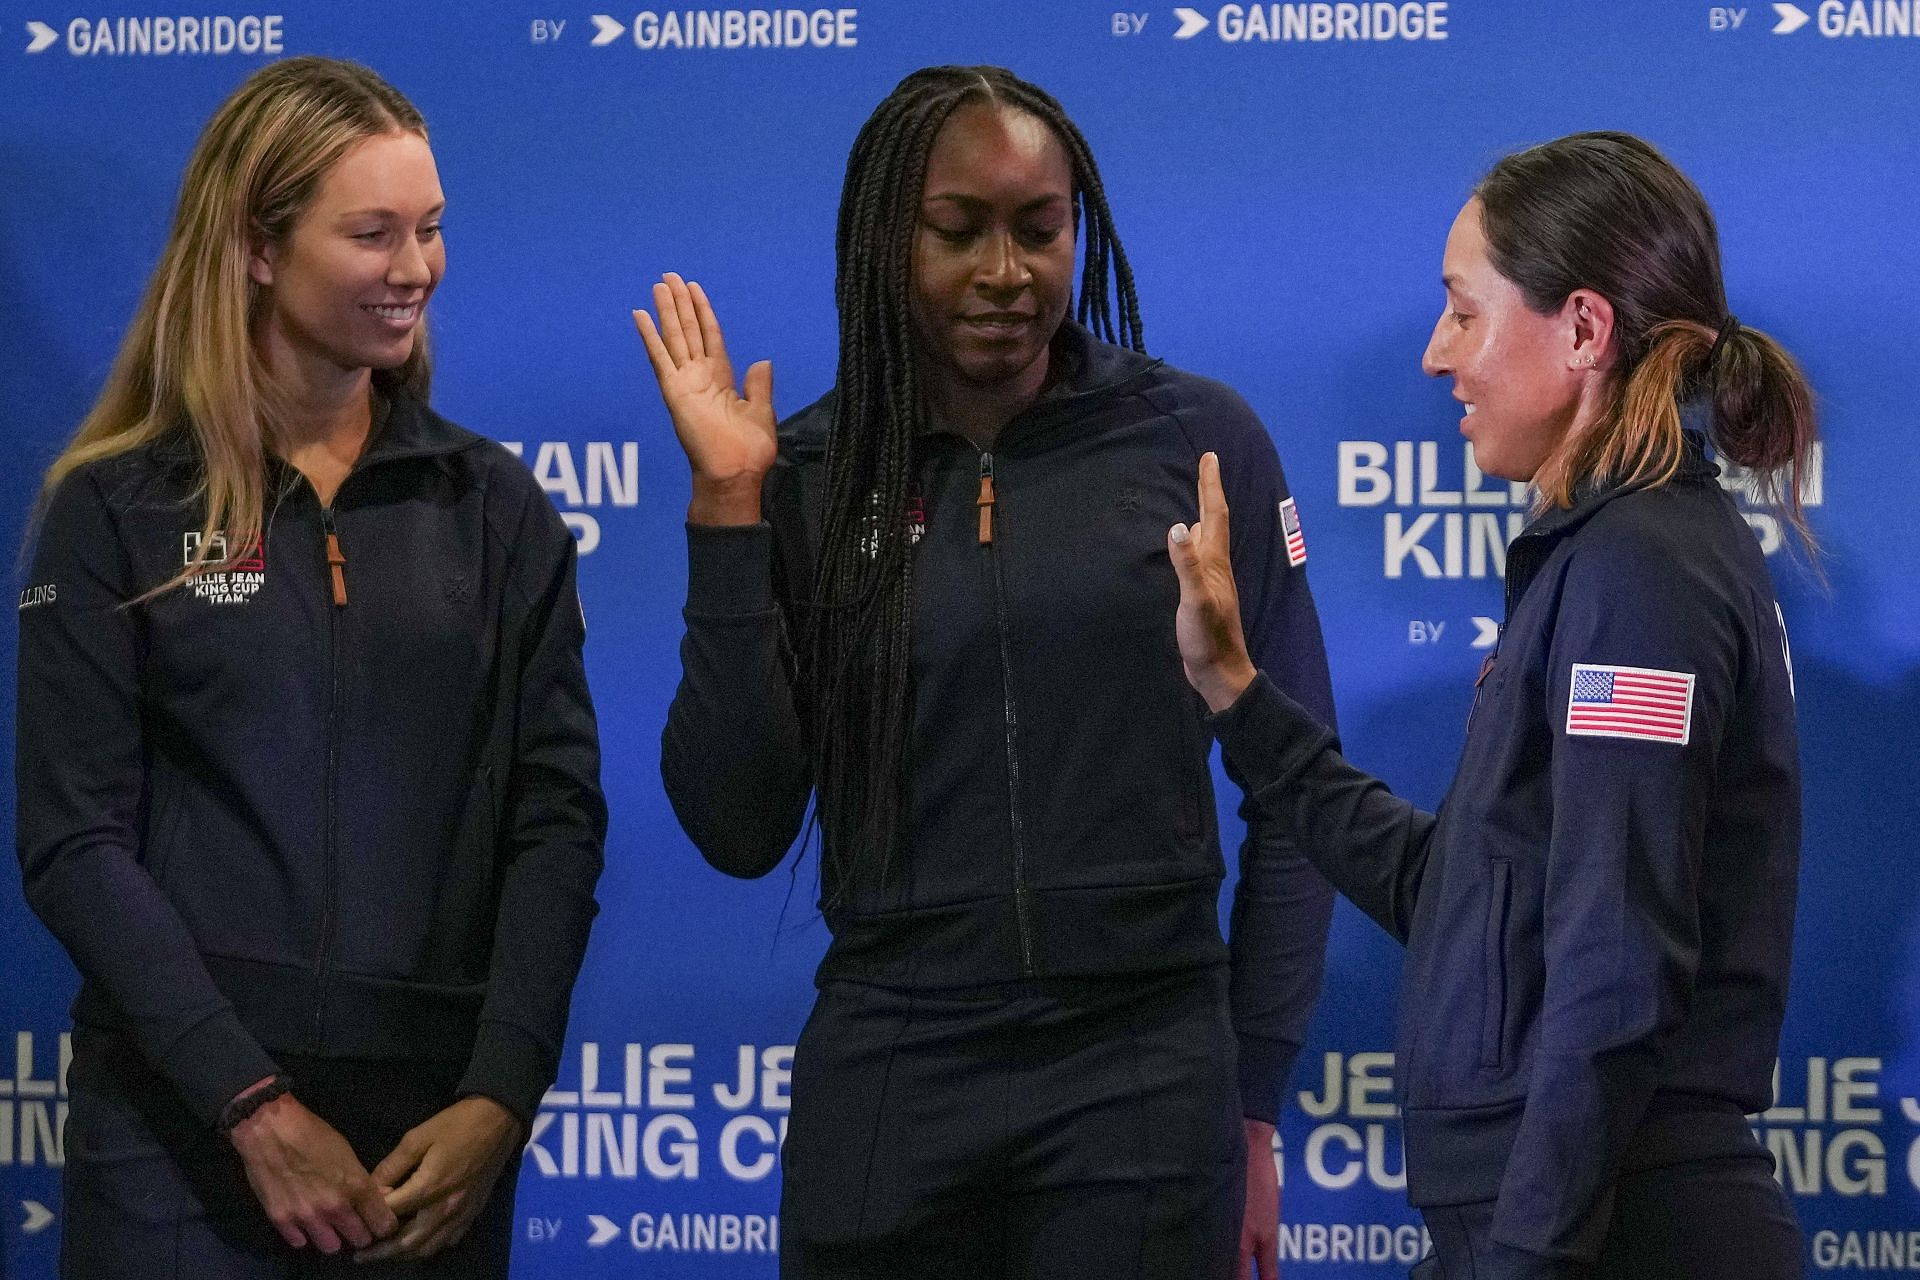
(854, 653)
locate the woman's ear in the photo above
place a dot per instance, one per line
(1590, 330)
(261, 255)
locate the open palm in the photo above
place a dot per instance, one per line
(728, 435)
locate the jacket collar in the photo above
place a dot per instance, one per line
(1086, 372)
(1695, 467)
(1529, 550)
(1090, 371)
(412, 430)
(403, 427)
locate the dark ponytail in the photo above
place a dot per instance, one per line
(1608, 212)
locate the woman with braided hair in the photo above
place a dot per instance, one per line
(920, 601)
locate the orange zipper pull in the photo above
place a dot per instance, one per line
(336, 559)
(985, 500)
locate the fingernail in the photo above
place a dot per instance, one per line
(1179, 533)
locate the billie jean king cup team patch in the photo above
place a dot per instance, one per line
(1630, 702)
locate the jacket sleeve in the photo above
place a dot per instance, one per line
(80, 764)
(1282, 905)
(1368, 842)
(1622, 902)
(732, 755)
(1304, 803)
(554, 822)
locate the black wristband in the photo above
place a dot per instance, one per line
(243, 1107)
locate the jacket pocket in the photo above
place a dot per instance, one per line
(1493, 960)
(460, 937)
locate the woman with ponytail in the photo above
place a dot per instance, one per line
(309, 779)
(1599, 919)
(921, 601)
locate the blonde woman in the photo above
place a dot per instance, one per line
(309, 776)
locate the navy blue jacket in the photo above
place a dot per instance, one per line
(1598, 927)
(262, 822)
(1060, 805)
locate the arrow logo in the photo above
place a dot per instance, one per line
(604, 1229)
(1792, 18)
(1192, 22)
(1485, 632)
(38, 1216)
(43, 35)
(606, 30)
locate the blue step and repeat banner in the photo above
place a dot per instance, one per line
(1283, 176)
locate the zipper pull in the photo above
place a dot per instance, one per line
(985, 500)
(336, 559)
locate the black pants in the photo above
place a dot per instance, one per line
(1721, 1219)
(150, 1193)
(1030, 1131)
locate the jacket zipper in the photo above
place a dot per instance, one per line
(336, 566)
(1516, 556)
(986, 499)
(1021, 907)
(1486, 669)
(336, 558)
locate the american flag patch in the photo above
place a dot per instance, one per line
(1631, 702)
(1290, 526)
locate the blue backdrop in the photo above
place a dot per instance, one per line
(1284, 184)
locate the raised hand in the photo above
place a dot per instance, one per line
(1212, 648)
(308, 1180)
(728, 436)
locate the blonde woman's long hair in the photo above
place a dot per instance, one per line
(188, 362)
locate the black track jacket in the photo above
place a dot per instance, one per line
(1599, 920)
(264, 821)
(1060, 806)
